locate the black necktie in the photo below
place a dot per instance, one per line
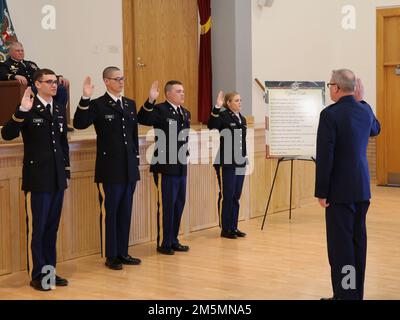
(119, 103)
(180, 113)
(48, 108)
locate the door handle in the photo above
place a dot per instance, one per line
(139, 63)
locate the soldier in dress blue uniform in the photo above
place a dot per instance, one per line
(16, 68)
(42, 122)
(231, 160)
(169, 164)
(342, 183)
(117, 162)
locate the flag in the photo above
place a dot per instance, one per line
(7, 30)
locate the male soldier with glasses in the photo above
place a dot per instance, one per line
(42, 122)
(117, 162)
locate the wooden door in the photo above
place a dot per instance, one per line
(161, 43)
(388, 108)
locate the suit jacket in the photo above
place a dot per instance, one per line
(233, 150)
(117, 157)
(11, 68)
(46, 151)
(166, 157)
(342, 174)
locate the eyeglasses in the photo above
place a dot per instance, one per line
(118, 79)
(49, 82)
(331, 84)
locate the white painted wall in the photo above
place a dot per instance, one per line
(304, 40)
(292, 40)
(88, 37)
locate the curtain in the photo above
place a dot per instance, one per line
(205, 68)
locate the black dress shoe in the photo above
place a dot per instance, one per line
(239, 233)
(37, 285)
(61, 282)
(129, 260)
(228, 234)
(180, 247)
(114, 263)
(168, 251)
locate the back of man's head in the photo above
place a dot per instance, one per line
(345, 80)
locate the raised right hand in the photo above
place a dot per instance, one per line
(88, 87)
(21, 80)
(154, 92)
(27, 99)
(359, 91)
(220, 99)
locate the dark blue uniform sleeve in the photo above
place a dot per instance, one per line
(214, 121)
(85, 114)
(148, 115)
(5, 73)
(12, 128)
(326, 139)
(375, 126)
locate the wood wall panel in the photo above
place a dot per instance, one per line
(203, 187)
(5, 229)
(79, 232)
(141, 209)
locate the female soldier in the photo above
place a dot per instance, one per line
(231, 160)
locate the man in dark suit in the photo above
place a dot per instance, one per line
(42, 122)
(171, 122)
(343, 182)
(231, 160)
(16, 68)
(117, 162)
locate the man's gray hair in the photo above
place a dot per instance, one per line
(345, 79)
(14, 44)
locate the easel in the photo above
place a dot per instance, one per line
(280, 160)
(283, 159)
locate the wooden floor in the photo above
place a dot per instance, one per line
(287, 260)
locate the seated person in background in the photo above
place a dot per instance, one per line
(16, 68)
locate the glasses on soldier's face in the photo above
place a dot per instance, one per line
(49, 82)
(331, 84)
(117, 79)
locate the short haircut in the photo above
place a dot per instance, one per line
(14, 44)
(169, 84)
(345, 79)
(108, 71)
(228, 98)
(38, 75)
